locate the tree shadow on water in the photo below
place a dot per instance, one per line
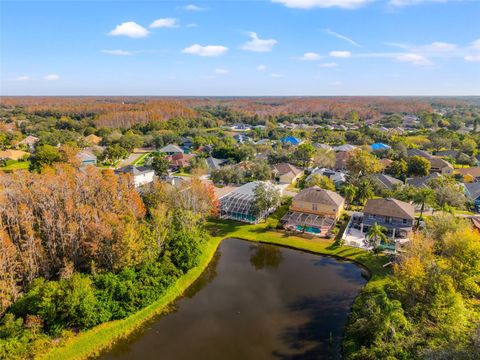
(320, 337)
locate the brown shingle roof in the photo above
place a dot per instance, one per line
(390, 207)
(473, 171)
(285, 168)
(315, 194)
(439, 163)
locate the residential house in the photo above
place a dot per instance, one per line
(423, 181)
(240, 127)
(291, 140)
(419, 152)
(437, 164)
(386, 182)
(187, 142)
(344, 148)
(241, 138)
(441, 166)
(472, 192)
(141, 175)
(394, 215)
(448, 153)
(471, 174)
(379, 147)
(338, 177)
(322, 146)
(314, 210)
(180, 160)
(86, 158)
(30, 142)
(239, 204)
(213, 163)
(286, 173)
(171, 149)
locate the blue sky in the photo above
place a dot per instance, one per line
(279, 47)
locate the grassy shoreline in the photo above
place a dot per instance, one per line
(92, 342)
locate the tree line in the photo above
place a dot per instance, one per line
(83, 247)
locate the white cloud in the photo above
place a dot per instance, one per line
(259, 45)
(192, 7)
(438, 47)
(340, 54)
(130, 29)
(276, 75)
(221, 71)
(472, 58)
(23, 78)
(336, 83)
(310, 56)
(164, 23)
(208, 50)
(52, 77)
(415, 59)
(400, 3)
(261, 67)
(342, 37)
(117, 52)
(475, 44)
(192, 25)
(329, 65)
(310, 4)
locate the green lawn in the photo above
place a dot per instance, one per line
(141, 160)
(15, 165)
(93, 341)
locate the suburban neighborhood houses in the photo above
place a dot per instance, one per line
(335, 179)
(379, 184)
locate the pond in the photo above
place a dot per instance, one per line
(254, 301)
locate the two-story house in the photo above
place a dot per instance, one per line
(314, 210)
(394, 215)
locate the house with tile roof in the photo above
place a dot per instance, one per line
(286, 173)
(386, 182)
(141, 175)
(394, 215)
(314, 210)
(472, 192)
(171, 149)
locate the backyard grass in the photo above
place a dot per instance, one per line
(92, 342)
(140, 161)
(15, 165)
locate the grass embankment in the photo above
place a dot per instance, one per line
(93, 341)
(15, 165)
(101, 337)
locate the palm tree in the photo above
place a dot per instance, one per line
(350, 192)
(365, 191)
(422, 197)
(375, 236)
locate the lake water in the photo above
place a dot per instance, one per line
(254, 301)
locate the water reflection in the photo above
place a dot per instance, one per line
(295, 308)
(207, 277)
(265, 256)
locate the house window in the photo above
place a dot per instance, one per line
(388, 220)
(314, 207)
(404, 221)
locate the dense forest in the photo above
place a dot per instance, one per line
(82, 247)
